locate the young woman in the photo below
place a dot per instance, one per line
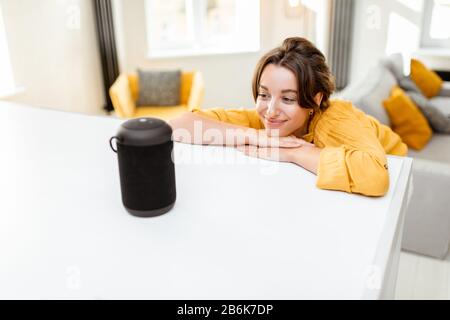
(295, 121)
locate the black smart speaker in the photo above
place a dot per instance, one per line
(146, 168)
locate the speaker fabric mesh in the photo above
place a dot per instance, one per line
(147, 176)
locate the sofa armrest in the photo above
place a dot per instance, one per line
(427, 221)
(122, 98)
(197, 92)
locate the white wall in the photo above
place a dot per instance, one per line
(374, 37)
(54, 55)
(227, 77)
(6, 75)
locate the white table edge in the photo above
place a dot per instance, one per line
(385, 262)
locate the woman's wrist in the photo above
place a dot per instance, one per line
(307, 157)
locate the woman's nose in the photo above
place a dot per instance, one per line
(272, 109)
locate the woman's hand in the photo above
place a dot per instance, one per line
(270, 153)
(259, 138)
(306, 156)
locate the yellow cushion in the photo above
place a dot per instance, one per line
(164, 113)
(407, 120)
(427, 80)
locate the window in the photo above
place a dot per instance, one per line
(196, 27)
(403, 36)
(6, 75)
(436, 32)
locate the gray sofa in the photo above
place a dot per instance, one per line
(427, 222)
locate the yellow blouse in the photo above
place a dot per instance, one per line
(354, 145)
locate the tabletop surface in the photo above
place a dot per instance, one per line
(241, 228)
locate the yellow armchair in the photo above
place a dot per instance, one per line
(125, 91)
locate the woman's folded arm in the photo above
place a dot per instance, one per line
(199, 129)
(352, 159)
(351, 170)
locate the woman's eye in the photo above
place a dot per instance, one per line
(289, 100)
(263, 95)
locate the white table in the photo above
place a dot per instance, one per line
(249, 230)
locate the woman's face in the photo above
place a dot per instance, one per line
(277, 102)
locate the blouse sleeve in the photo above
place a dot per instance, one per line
(353, 159)
(242, 117)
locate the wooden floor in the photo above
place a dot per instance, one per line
(421, 277)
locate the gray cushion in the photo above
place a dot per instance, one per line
(394, 63)
(445, 91)
(408, 85)
(436, 118)
(159, 88)
(442, 103)
(369, 94)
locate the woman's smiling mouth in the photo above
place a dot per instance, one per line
(274, 122)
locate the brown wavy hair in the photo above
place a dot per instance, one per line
(309, 66)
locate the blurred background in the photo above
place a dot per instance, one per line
(83, 56)
(51, 56)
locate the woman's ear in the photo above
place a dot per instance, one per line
(318, 98)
